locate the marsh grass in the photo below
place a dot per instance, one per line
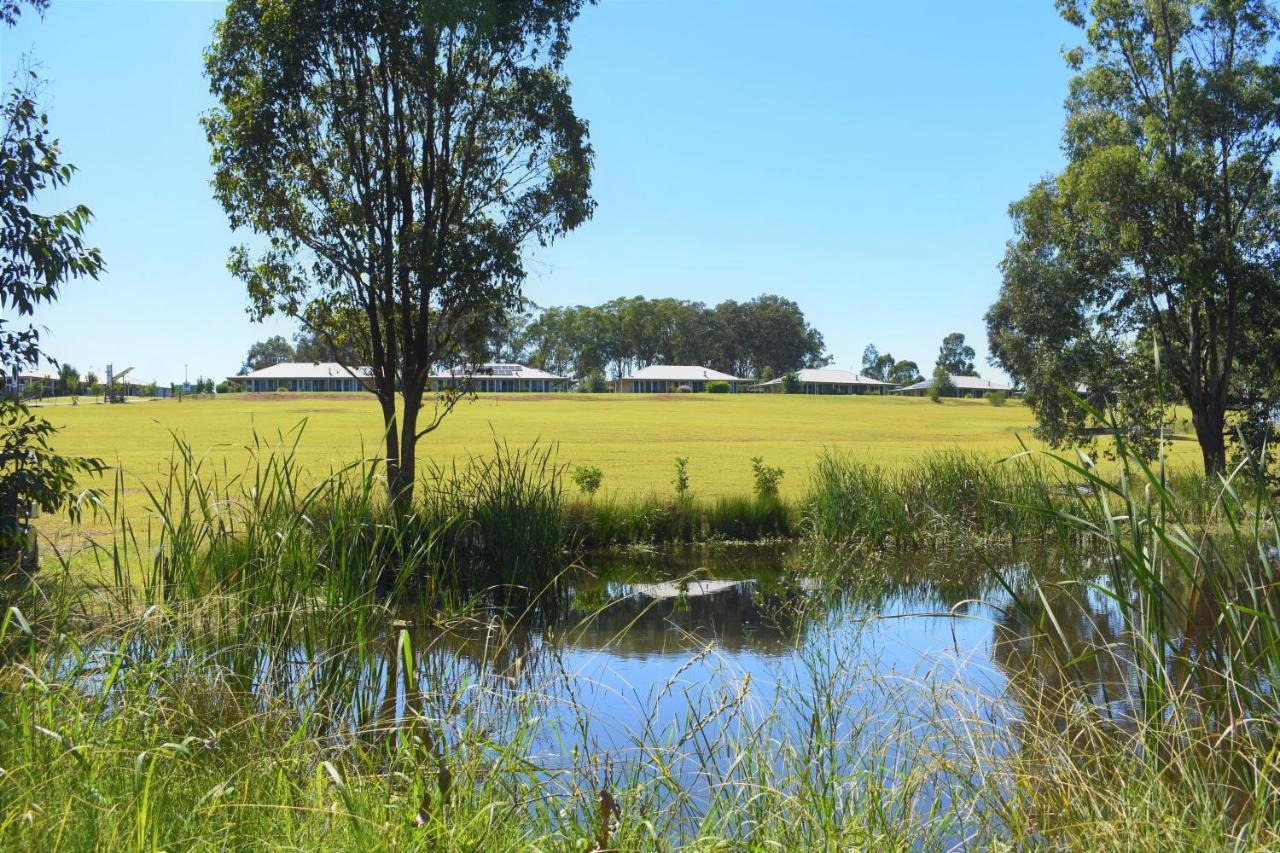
(953, 497)
(619, 521)
(279, 678)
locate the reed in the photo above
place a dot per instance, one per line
(268, 680)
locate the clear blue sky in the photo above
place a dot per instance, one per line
(857, 157)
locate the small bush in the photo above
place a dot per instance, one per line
(594, 383)
(791, 383)
(681, 480)
(717, 386)
(587, 478)
(942, 384)
(767, 478)
(997, 398)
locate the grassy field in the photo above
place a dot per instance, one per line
(633, 439)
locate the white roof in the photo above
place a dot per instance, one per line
(962, 383)
(827, 376)
(28, 375)
(497, 371)
(681, 373)
(307, 370)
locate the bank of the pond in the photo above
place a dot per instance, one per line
(510, 517)
(816, 695)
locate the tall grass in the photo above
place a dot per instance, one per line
(1172, 609)
(274, 533)
(614, 521)
(167, 729)
(269, 696)
(954, 497)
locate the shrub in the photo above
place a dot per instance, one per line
(767, 478)
(941, 384)
(790, 383)
(997, 398)
(587, 478)
(594, 383)
(717, 386)
(681, 480)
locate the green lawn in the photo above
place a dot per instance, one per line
(634, 439)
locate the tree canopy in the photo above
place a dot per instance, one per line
(40, 251)
(274, 350)
(395, 159)
(1161, 232)
(766, 334)
(955, 357)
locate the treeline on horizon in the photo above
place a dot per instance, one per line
(765, 337)
(762, 338)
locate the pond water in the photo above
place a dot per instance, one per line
(696, 670)
(683, 663)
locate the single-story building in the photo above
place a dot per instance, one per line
(325, 376)
(965, 386)
(22, 384)
(826, 381)
(500, 379)
(670, 378)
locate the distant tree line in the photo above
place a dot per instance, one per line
(762, 339)
(955, 358)
(306, 347)
(767, 336)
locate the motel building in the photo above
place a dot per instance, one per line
(325, 376)
(500, 379)
(826, 381)
(670, 378)
(965, 386)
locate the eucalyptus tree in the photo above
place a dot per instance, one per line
(1161, 233)
(903, 372)
(876, 364)
(41, 250)
(394, 160)
(956, 357)
(274, 350)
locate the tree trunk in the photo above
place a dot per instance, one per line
(1210, 422)
(395, 459)
(401, 491)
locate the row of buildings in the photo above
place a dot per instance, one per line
(328, 377)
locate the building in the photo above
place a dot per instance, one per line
(826, 381)
(965, 386)
(25, 384)
(325, 376)
(670, 378)
(500, 379)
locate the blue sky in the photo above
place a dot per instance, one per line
(856, 157)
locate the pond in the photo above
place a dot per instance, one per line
(700, 676)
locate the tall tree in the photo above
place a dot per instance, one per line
(397, 157)
(274, 350)
(876, 364)
(40, 251)
(1163, 226)
(69, 379)
(903, 373)
(341, 341)
(870, 356)
(956, 357)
